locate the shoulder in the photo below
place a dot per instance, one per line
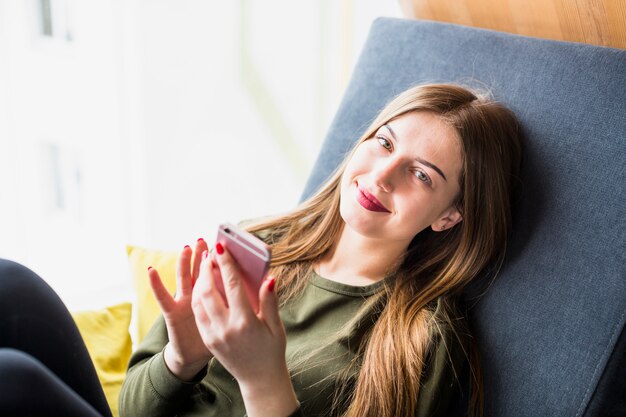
(445, 364)
(450, 332)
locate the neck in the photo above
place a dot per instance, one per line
(358, 260)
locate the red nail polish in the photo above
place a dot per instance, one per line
(205, 254)
(219, 248)
(200, 239)
(270, 286)
(186, 246)
(149, 268)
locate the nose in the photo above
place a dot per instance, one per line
(386, 172)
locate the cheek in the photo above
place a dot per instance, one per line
(344, 186)
(352, 169)
(345, 181)
(361, 158)
(418, 213)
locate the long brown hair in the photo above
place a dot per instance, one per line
(437, 265)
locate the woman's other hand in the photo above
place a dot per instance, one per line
(250, 345)
(185, 355)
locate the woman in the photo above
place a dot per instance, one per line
(368, 272)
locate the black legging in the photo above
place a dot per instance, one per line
(45, 368)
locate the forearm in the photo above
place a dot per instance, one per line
(272, 397)
(182, 371)
(150, 389)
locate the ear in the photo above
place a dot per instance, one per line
(447, 220)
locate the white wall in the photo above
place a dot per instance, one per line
(160, 119)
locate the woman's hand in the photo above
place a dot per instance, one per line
(250, 345)
(185, 355)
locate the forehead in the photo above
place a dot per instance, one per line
(425, 129)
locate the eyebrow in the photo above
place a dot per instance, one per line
(418, 159)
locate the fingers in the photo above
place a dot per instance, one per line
(163, 296)
(201, 246)
(233, 282)
(202, 318)
(268, 306)
(184, 282)
(205, 294)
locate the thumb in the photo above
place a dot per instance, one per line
(268, 306)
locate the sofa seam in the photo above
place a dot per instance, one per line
(614, 337)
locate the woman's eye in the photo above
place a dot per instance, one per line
(384, 142)
(422, 177)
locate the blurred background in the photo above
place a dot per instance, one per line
(149, 122)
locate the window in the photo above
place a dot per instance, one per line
(54, 18)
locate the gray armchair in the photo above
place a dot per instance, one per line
(551, 325)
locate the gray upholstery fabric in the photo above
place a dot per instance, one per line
(550, 322)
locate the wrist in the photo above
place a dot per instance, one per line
(270, 397)
(181, 370)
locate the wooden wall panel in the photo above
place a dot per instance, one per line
(597, 22)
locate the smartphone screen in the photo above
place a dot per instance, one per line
(251, 254)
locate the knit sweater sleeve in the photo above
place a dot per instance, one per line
(150, 389)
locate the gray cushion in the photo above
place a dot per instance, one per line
(550, 322)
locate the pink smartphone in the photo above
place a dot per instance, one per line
(251, 253)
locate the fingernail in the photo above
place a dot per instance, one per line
(186, 246)
(149, 268)
(219, 248)
(200, 239)
(205, 254)
(270, 286)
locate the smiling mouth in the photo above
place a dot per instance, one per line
(369, 202)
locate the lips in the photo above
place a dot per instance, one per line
(369, 202)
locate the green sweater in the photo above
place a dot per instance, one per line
(311, 321)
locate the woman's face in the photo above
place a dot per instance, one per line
(403, 179)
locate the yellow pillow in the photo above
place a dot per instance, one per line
(147, 307)
(106, 336)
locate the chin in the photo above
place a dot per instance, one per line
(357, 220)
